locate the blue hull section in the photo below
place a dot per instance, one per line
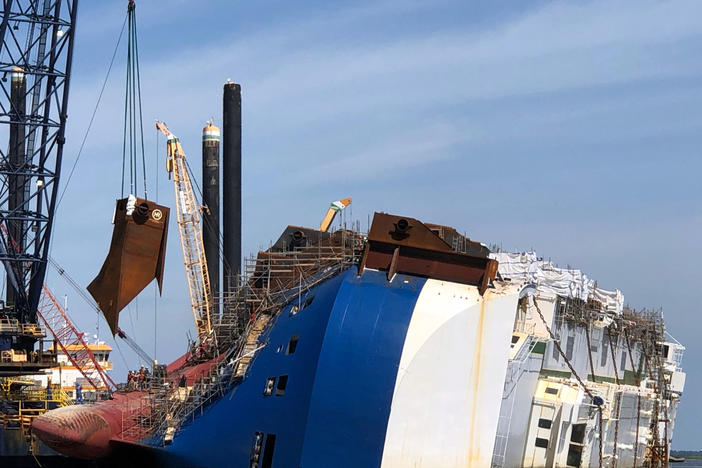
(356, 372)
(339, 380)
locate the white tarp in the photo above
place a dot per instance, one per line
(528, 268)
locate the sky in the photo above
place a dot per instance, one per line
(571, 128)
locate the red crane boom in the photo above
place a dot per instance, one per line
(65, 334)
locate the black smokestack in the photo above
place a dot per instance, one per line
(210, 196)
(18, 92)
(231, 177)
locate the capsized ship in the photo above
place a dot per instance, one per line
(409, 346)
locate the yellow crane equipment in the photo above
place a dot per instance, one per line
(190, 229)
(331, 213)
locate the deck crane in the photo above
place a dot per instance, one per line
(331, 213)
(65, 335)
(190, 229)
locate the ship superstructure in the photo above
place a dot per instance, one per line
(591, 382)
(67, 374)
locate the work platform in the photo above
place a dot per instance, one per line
(15, 360)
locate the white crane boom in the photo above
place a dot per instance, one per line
(190, 229)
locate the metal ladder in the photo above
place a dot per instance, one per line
(515, 370)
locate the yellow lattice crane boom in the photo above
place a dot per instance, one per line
(190, 229)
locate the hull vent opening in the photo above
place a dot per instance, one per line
(267, 460)
(270, 384)
(282, 383)
(292, 344)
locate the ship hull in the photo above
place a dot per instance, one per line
(383, 374)
(409, 355)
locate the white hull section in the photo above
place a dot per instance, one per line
(448, 392)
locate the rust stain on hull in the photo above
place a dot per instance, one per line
(136, 256)
(473, 451)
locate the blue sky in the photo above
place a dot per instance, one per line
(572, 128)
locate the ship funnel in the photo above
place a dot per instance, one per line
(210, 197)
(231, 177)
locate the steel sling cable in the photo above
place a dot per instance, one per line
(560, 351)
(155, 285)
(637, 379)
(126, 110)
(138, 91)
(589, 352)
(614, 358)
(618, 399)
(599, 413)
(92, 117)
(206, 221)
(572, 369)
(594, 379)
(133, 128)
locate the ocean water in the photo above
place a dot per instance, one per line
(687, 463)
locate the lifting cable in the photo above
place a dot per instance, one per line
(617, 396)
(563, 355)
(92, 117)
(575, 374)
(197, 192)
(589, 351)
(594, 379)
(612, 345)
(91, 302)
(199, 200)
(206, 222)
(637, 379)
(155, 284)
(133, 138)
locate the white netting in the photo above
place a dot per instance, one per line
(527, 267)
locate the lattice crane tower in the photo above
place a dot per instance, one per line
(36, 49)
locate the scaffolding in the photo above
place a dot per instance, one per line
(643, 329)
(646, 327)
(271, 280)
(22, 402)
